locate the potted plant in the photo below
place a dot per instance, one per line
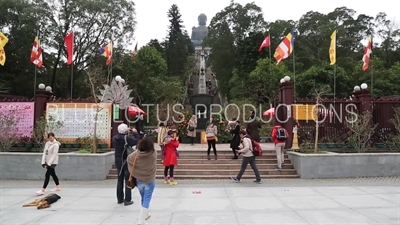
(27, 140)
(20, 143)
(102, 144)
(68, 144)
(339, 145)
(379, 145)
(77, 143)
(86, 142)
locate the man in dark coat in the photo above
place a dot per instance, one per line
(252, 129)
(120, 161)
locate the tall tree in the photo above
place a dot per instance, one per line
(177, 49)
(93, 23)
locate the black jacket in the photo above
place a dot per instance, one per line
(235, 142)
(119, 143)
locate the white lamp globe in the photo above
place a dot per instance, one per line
(48, 88)
(282, 81)
(118, 78)
(41, 86)
(122, 80)
(356, 88)
(364, 86)
(287, 78)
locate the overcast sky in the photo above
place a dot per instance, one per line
(152, 20)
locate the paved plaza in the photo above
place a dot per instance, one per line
(291, 202)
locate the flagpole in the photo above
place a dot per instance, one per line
(294, 77)
(270, 53)
(34, 82)
(72, 79)
(334, 74)
(334, 85)
(72, 68)
(372, 67)
(112, 56)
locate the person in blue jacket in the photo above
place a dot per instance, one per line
(120, 161)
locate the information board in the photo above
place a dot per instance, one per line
(304, 112)
(23, 113)
(78, 120)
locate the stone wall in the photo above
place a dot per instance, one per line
(72, 166)
(333, 165)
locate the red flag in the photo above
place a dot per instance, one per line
(265, 43)
(37, 52)
(367, 54)
(134, 53)
(69, 42)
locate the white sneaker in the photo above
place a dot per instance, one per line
(40, 192)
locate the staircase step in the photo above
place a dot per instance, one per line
(215, 167)
(220, 177)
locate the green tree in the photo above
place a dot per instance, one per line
(320, 75)
(177, 49)
(19, 21)
(228, 30)
(93, 23)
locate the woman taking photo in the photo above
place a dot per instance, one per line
(50, 161)
(171, 143)
(211, 134)
(144, 170)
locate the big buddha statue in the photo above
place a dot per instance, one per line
(200, 32)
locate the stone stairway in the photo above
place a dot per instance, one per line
(193, 164)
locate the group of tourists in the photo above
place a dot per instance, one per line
(140, 165)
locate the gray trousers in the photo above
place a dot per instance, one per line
(252, 161)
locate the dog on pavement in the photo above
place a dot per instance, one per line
(45, 202)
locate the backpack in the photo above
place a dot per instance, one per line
(257, 151)
(281, 134)
(127, 148)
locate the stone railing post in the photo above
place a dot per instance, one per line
(41, 99)
(284, 109)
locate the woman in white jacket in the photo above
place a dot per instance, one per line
(50, 161)
(248, 158)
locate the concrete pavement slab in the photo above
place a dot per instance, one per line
(220, 203)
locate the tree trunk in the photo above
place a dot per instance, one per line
(316, 137)
(94, 149)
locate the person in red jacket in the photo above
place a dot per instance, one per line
(171, 143)
(279, 136)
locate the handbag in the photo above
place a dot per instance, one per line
(191, 128)
(131, 184)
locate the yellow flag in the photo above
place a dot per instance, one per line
(2, 56)
(332, 48)
(3, 40)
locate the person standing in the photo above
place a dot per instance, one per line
(120, 161)
(191, 129)
(253, 127)
(235, 142)
(162, 133)
(139, 125)
(279, 136)
(50, 161)
(144, 170)
(211, 134)
(248, 158)
(171, 143)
